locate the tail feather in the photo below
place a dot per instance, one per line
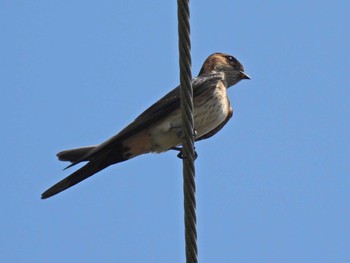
(107, 156)
(75, 154)
(83, 173)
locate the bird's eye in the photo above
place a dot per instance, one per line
(230, 58)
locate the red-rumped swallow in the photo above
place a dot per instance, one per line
(157, 129)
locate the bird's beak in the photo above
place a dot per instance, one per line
(244, 75)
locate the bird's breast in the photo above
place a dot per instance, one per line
(210, 110)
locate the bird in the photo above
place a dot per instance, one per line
(158, 128)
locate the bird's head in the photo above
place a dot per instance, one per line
(222, 63)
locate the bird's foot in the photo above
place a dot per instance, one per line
(181, 154)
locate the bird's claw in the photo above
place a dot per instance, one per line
(181, 154)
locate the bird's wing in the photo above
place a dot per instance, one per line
(169, 103)
(112, 150)
(154, 113)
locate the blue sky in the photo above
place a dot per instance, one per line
(272, 186)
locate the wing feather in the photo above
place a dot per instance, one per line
(154, 113)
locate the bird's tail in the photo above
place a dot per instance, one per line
(83, 173)
(75, 154)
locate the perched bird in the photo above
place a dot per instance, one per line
(158, 128)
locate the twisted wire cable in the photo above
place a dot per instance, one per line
(186, 94)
